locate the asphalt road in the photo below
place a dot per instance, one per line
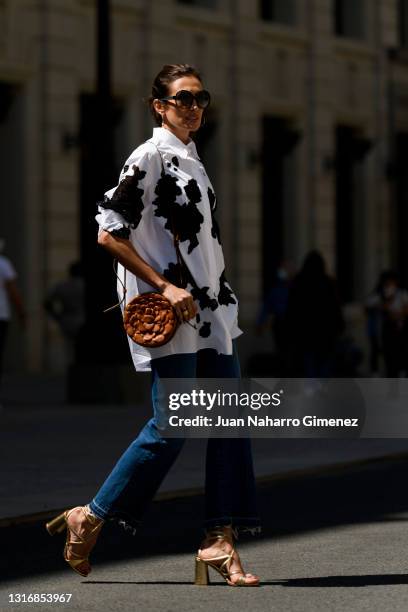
(337, 543)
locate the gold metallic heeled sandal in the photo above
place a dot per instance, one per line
(202, 565)
(59, 523)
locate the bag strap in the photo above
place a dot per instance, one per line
(115, 269)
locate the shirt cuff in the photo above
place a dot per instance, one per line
(110, 223)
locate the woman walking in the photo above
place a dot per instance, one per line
(163, 188)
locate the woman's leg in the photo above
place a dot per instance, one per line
(229, 482)
(231, 504)
(139, 472)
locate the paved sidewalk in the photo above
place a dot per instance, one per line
(56, 455)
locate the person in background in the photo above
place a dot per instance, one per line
(373, 328)
(387, 306)
(9, 296)
(273, 311)
(314, 319)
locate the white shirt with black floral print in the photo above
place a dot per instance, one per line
(139, 209)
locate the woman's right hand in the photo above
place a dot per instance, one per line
(182, 301)
(127, 255)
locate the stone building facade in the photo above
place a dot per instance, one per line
(309, 128)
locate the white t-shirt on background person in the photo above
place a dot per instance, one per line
(7, 273)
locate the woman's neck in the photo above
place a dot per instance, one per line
(183, 135)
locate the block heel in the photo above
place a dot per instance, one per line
(57, 525)
(201, 573)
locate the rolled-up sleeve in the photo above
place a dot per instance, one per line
(122, 207)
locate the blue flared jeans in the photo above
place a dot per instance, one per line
(230, 496)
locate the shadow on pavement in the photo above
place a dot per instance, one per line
(370, 494)
(345, 581)
(315, 582)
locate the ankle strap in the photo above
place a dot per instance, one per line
(91, 517)
(217, 533)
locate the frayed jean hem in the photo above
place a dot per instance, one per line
(124, 520)
(242, 525)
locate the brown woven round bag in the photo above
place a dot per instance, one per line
(150, 320)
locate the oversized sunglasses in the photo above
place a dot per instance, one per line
(185, 99)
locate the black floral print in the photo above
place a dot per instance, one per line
(177, 276)
(184, 219)
(205, 329)
(181, 277)
(225, 294)
(122, 232)
(127, 198)
(215, 230)
(201, 295)
(212, 199)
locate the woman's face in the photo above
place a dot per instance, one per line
(181, 120)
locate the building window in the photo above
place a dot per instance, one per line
(279, 11)
(209, 4)
(403, 22)
(350, 18)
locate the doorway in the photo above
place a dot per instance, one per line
(351, 230)
(279, 180)
(97, 263)
(401, 193)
